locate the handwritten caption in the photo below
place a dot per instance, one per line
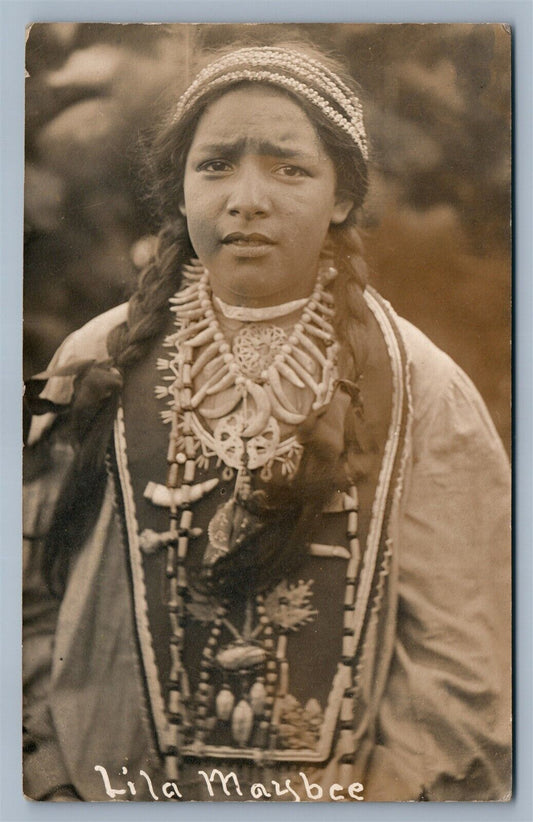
(289, 790)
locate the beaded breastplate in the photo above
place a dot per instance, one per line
(233, 686)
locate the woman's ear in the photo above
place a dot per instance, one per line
(342, 207)
(182, 209)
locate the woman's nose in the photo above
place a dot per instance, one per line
(249, 193)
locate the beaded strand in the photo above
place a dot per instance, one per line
(180, 516)
(346, 744)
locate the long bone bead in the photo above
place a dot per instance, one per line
(328, 387)
(327, 372)
(303, 374)
(189, 330)
(320, 320)
(203, 337)
(205, 357)
(165, 497)
(151, 541)
(289, 374)
(189, 289)
(311, 347)
(199, 396)
(318, 549)
(277, 388)
(214, 364)
(281, 413)
(194, 302)
(184, 296)
(194, 267)
(223, 383)
(191, 313)
(318, 332)
(191, 275)
(179, 308)
(325, 309)
(192, 280)
(304, 359)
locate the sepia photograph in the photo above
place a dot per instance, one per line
(267, 413)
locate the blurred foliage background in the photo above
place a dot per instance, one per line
(437, 223)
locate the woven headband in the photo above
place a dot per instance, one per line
(290, 70)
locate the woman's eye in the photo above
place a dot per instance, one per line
(291, 171)
(215, 166)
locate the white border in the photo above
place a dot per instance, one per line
(14, 15)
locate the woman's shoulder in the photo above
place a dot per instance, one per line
(90, 340)
(446, 404)
(425, 369)
(431, 369)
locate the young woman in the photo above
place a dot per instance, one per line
(267, 518)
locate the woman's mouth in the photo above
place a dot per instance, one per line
(238, 238)
(248, 245)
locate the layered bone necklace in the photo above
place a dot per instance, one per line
(242, 395)
(238, 389)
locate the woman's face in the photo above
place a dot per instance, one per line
(259, 197)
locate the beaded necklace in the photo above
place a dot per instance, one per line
(243, 396)
(243, 682)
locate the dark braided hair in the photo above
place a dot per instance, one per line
(128, 343)
(147, 307)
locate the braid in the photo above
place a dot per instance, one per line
(146, 311)
(350, 321)
(350, 307)
(83, 490)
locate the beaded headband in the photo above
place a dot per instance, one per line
(287, 69)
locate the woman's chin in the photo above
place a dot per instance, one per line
(257, 286)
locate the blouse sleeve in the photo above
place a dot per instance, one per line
(47, 459)
(44, 769)
(445, 717)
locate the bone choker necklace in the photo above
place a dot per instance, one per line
(269, 312)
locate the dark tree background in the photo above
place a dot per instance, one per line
(437, 101)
